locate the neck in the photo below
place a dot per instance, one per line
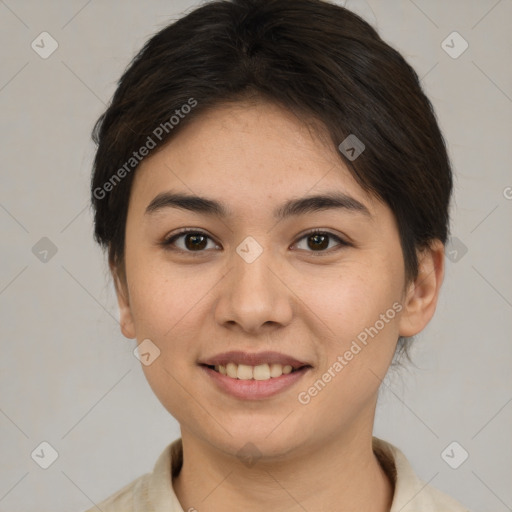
(342, 474)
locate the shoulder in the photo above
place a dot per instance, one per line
(123, 500)
(411, 493)
(442, 501)
(151, 491)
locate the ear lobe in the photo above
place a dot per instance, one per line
(422, 295)
(123, 300)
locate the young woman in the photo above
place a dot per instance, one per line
(273, 191)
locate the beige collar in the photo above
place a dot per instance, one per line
(154, 492)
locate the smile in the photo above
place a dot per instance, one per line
(260, 372)
(253, 382)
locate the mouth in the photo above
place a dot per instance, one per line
(253, 376)
(263, 371)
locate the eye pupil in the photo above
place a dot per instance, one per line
(195, 245)
(322, 239)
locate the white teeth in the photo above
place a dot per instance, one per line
(261, 372)
(244, 372)
(231, 370)
(276, 370)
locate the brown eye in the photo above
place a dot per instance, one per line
(193, 241)
(319, 241)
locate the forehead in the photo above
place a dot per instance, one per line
(247, 154)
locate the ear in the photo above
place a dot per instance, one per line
(123, 300)
(421, 297)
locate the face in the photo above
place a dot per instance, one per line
(253, 277)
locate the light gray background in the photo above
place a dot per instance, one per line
(69, 377)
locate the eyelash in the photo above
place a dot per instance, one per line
(167, 243)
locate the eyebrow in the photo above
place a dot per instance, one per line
(292, 207)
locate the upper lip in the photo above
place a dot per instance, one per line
(252, 359)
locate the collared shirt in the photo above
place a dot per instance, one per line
(153, 492)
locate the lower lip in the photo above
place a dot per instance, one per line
(254, 389)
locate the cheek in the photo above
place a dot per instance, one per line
(165, 310)
(161, 300)
(348, 301)
(360, 312)
(169, 307)
(362, 317)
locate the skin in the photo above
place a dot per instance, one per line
(293, 299)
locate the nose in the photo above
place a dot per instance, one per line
(253, 297)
